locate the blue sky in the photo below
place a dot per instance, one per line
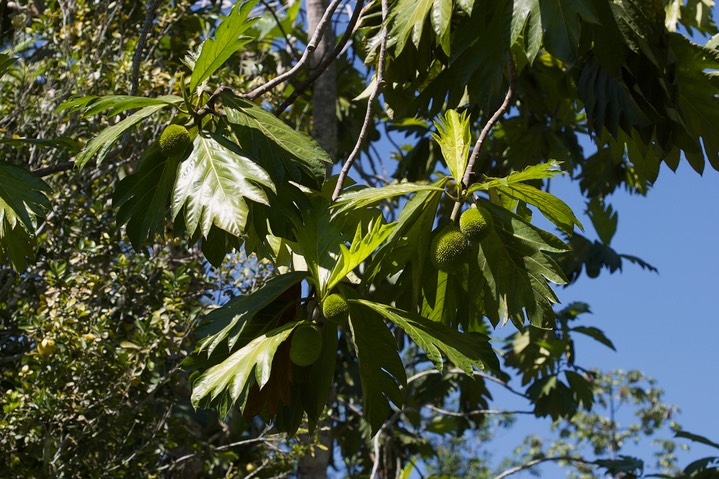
(665, 324)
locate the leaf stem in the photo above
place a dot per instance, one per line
(368, 114)
(326, 61)
(469, 171)
(311, 46)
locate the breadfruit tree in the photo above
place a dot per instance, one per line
(386, 288)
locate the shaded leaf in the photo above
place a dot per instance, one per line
(516, 269)
(696, 438)
(100, 145)
(23, 200)
(285, 153)
(596, 334)
(562, 25)
(381, 370)
(144, 196)
(464, 350)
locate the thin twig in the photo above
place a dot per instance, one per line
(469, 171)
(288, 43)
(535, 462)
(368, 114)
(480, 374)
(149, 16)
(326, 61)
(261, 438)
(474, 412)
(375, 463)
(311, 46)
(49, 170)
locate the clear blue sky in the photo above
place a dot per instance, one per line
(666, 324)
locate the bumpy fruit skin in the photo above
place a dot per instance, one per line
(335, 308)
(306, 345)
(46, 347)
(174, 140)
(447, 249)
(475, 223)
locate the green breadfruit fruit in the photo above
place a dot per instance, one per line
(174, 140)
(335, 308)
(306, 345)
(475, 223)
(447, 249)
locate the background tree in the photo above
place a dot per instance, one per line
(494, 100)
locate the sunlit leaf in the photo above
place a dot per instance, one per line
(214, 184)
(369, 196)
(454, 137)
(249, 365)
(228, 40)
(362, 246)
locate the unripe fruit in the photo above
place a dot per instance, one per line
(46, 347)
(335, 308)
(306, 345)
(475, 223)
(447, 249)
(174, 140)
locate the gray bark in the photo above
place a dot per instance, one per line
(324, 90)
(324, 130)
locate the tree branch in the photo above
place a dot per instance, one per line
(149, 16)
(535, 462)
(326, 61)
(368, 114)
(480, 374)
(49, 170)
(289, 48)
(474, 412)
(375, 463)
(311, 46)
(469, 171)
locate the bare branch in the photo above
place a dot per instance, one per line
(311, 46)
(326, 61)
(57, 168)
(149, 16)
(474, 412)
(289, 48)
(480, 374)
(492, 121)
(469, 171)
(375, 463)
(535, 462)
(368, 115)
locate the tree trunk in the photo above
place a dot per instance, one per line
(324, 90)
(324, 130)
